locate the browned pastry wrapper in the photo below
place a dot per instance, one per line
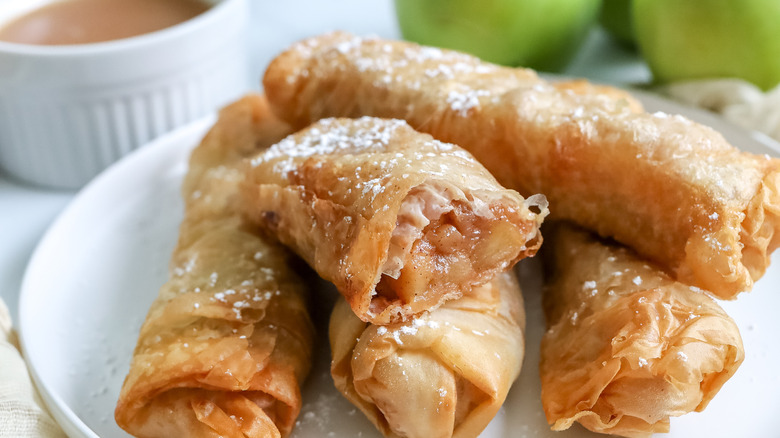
(443, 374)
(228, 340)
(398, 221)
(627, 347)
(672, 189)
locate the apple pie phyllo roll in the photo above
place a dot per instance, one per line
(626, 346)
(227, 343)
(398, 221)
(673, 190)
(443, 374)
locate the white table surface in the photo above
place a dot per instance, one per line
(26, 211)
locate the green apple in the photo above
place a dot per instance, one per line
(690, 39)
(541, 34)
(615, 17)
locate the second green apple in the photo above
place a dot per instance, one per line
(702, 39)
(541, 34)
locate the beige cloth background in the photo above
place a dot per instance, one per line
(740, 102)
(21, 415)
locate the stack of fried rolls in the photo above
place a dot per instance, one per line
(704, 215)
(405, 188)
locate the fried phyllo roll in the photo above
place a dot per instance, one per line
(672, 189)
(443, 374)
(398, 221)
(228, 340)
(627, 347)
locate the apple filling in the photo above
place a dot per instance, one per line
(444, 243)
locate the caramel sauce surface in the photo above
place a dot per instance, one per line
(68, 22)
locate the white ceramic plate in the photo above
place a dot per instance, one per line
(97, 270)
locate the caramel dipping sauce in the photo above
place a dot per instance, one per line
(68, 22)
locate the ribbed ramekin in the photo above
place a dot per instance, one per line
(67, 112)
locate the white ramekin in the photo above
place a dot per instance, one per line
(67, 112)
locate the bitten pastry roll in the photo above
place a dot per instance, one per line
(443, 374)
(627, 347)
(672, 189)
(398, 221)
(227, 343)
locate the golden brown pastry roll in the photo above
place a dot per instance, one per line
(443, 374)
(398, 221)
(228, 340)
(672, 189)
(627, 347)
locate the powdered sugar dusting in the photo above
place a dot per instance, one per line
(463, 102)
(410, 328)
(385, 144)
(328, 137)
